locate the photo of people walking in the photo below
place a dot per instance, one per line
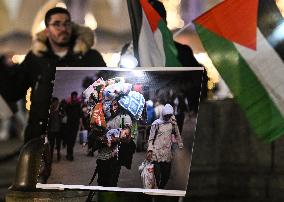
(131, 136)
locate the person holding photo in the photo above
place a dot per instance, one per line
(164, 134)
(61, 44)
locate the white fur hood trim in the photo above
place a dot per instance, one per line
(84, 40)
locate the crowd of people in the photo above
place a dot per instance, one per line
(65, 120)
(111, 129)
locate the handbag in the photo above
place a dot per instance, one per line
(83, 136)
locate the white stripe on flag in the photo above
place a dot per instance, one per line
(150, 46)
(268, 67)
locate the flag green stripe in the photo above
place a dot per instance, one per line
(169, 46)
(260, 110)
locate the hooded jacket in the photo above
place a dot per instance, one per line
(38, 72)
(160, 138)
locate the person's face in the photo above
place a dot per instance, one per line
(74, 98)
(85, 109)
(55, 103)
(114, 106)
(167, 117)
(59, 29)
(149, 155)
(125, 133)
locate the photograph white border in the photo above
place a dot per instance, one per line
(163, 192)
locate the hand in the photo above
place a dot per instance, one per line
(149, 155)
(109, 143)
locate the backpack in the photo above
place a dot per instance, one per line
(174, 142)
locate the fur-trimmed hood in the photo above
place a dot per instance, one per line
(83, 42)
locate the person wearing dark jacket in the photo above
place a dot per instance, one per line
(74, 122)
(61, 44)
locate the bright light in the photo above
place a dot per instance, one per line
(277, 35)
(138, 73)
(280, 4)
(12, 7)
(174, 20)
(210, 85)
(128, 61)
(39, 27)
(28, 99)
(115, 58)
(111, 59)
(61, 4)
(38, 22)
(42, 25)
(212, 73)
(173, 14)
(17, 59)
(90, 21)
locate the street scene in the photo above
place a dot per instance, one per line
(149, 130)
(141, 100)
(80, 171)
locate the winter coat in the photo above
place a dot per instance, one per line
(38, 72)
(160, 138)
(185, 56)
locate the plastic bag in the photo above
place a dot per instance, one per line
(147, 175)
(133, 103)
(83, 136)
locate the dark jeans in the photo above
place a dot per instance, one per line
(162, 171)
(108, 172)
(63, 132)
(92, 142)
(54, 138)
(70, 141)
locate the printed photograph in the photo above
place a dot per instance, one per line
(122, 129)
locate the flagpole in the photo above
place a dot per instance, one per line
(182, 29)
(135, 16)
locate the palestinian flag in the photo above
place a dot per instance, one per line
(244, 39)
(155, 42)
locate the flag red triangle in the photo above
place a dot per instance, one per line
(235, 20)
(151, 14)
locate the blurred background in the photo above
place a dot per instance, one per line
(251, 170)
(20, 20)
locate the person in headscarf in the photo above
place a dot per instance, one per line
(164, 134)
